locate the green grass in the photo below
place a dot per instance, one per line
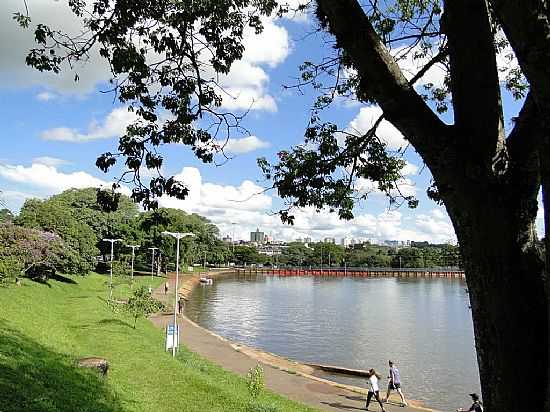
(45, 328)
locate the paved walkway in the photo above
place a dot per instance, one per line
(311, 391)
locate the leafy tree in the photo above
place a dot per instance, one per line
(297, 254)
(103, 222)
(6, 216)
(150, 225)
(247, 255)
(20, 248)
(142, 304)
(487, 180)
(80, 242)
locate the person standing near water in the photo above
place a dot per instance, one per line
(374, 390)
(477, 406)
(395, 383)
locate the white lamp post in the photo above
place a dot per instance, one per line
(233, 238)
(177, 236)
(111, 280)
(134, 247)
(152, 249)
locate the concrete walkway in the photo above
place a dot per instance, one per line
(294, 383)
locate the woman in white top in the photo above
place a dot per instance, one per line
(374, 390)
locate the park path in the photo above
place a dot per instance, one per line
(312, 391)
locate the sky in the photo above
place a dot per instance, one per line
(54, 128)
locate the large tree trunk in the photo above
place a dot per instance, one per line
(504, 271)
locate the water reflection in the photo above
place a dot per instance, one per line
(423, 324)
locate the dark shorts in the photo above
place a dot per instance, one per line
(394, 385)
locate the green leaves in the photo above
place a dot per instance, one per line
(142, 304)
(164, 57)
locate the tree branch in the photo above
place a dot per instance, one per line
(523, 145)
(474, 76)
(527, 27)
(383, 80)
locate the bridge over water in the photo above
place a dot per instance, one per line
(358, 272)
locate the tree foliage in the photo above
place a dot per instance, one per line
(142, 304)
(20, 248)
(79, 239)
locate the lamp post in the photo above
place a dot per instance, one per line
(134, 247)
(177, 236)
(111, 270)
(233, 238)
(152, 249)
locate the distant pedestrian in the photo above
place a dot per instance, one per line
(150, 290)
(166, 288)
(395, 383)
(374, 390)
(18, 281)
(477, 406)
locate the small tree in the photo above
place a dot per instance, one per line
(255, 381)
(142, 304)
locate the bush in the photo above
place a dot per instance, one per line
(255, 381)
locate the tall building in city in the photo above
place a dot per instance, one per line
(257, 236)
(330, 240)
(346, 241)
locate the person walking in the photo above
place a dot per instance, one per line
(477, 406)
(395, 383)
(166, 288)
(374, 390)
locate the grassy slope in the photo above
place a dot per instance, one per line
(43, 329)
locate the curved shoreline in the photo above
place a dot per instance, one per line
(277, 362)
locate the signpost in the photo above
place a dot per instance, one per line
(172, 337)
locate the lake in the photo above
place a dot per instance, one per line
(423, 325)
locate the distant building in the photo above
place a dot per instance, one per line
(307, 240)
(257, 236)
(330, 240)
(346, 242)
(227, 239)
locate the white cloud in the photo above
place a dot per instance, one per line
(13, 199)
(436, 226)
(114, 125)
(243, 145)
(57, 15)
(270, 47)
(204, 197)
(49, 161)
(245, 87)
(245, 207)
(366, 118)
(45, 96)
(48, 178)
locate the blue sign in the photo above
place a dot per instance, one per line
(172, 339)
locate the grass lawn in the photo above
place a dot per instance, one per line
(44, 328)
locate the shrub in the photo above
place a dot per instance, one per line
(255, 381)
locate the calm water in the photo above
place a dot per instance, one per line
(424, 325)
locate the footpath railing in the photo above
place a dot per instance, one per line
(355, 272)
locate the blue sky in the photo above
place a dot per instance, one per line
(53, 130)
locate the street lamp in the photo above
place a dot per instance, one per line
(111, 279)
(152, 249)
(233, 238)
(134, 247)
(177, 236)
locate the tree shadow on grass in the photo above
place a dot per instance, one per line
(35, 378)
